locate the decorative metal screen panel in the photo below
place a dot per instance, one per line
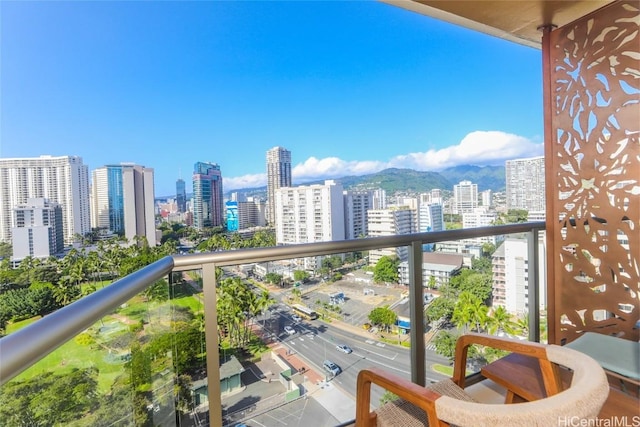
(595, 117)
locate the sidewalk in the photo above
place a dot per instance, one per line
(313, 377)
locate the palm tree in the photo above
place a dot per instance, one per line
(479, 313)
(64, 292)
(500, 321)
(469, 309)
(264, 302)
(461, 315)
(26, 267)
(522, 323)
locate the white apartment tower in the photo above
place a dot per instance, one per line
(356, 205)
(63, 180)
(510, 267)
(525, 184)
(430, 217)
(486, 198)
(465, 197)
(123, 201)
(307, 214)
(389, 222)
(479, 217)
(379, 199)
(278, 175)
(38, 230)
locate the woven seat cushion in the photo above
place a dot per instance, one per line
(401, 413)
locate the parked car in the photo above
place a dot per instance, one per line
(296, 318)
(331, 367)
(344, 348)
(289, 330)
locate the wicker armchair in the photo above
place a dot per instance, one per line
(446, 402)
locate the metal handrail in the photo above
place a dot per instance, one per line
(25, 347)
(234, 257)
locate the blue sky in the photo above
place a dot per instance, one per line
(349, 87)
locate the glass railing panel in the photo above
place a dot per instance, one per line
(130, 368)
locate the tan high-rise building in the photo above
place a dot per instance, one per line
(278, 176)
(122, 201)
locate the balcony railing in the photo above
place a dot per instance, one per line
(25, 347)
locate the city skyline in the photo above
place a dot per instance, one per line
(169, 84)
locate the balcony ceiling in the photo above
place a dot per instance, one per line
(514, 20)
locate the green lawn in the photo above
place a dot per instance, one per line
(445, 370)
(196, 306)
(12, 327)
(442, 369)
(74, 355)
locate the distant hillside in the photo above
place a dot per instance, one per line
(397, 180)
(487, 177)
(409, 180)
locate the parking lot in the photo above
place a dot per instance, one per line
(357, 303)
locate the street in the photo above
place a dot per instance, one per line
(316, 341)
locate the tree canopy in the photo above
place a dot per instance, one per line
(383, 316)
(386, 270)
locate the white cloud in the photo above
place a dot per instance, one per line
(245, 181)
(478, 148)
(333, 167)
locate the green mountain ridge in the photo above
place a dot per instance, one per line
(396, 180)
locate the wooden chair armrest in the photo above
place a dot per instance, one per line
(550, 374)
(420, 396)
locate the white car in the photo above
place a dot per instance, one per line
(296, 318)
(344, 348)
(289, 330)
(331, 367)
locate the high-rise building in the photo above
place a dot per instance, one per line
(278, 175)
(430, 217)
(63, 180)
(465, 197)
(38, 230)
(410, 202)
(510, 266)
(306, 214)
(208, 205)
(181, 195)
(251, 213)
(525, 184)
(389, 222)
(356, 206)
(480, 217)
(123, 201)
(486, 197)
(379, 199)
